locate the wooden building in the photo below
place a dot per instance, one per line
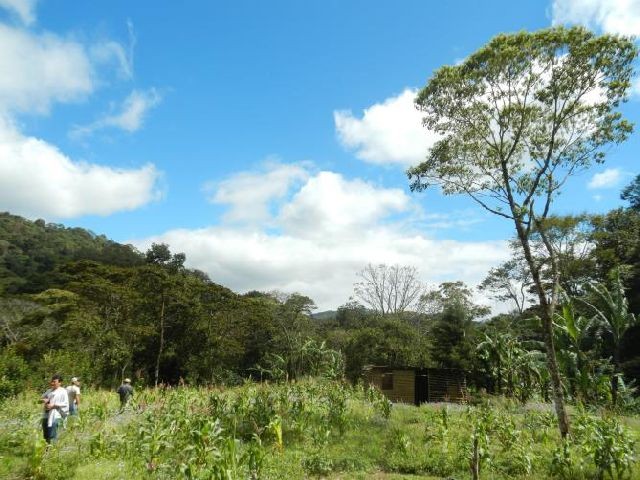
(418, 385)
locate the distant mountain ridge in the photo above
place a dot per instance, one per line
(325, 315)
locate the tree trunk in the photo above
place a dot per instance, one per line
(554, 371)
(161, 347)
(548, 308)
(124, 367)
(616, 373)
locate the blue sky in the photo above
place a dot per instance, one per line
(266, 140)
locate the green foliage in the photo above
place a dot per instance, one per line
(311, 358)
(31, 251)
(379, 401)
(600, 442)
(317, 465)
(388, 341)
(14, 373)
(452, 295)
(511, 110)
(611, 309)
(586, 373)
(616, 239)
(631, 193)
(515, 370)
(451, 345)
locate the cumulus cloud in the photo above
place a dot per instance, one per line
(607, 179)
(326, 231)
(40, 70)
(129, 117)
(390, 132)
(23, 9)
(326, 269)
(329, 205)
(611, 16)
(36, 180)
(250, 195)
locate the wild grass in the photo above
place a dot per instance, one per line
(309, 429)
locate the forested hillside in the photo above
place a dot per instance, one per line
(31, 251)
(79, 303)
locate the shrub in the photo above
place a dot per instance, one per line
(14, 373)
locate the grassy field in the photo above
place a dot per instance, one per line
(309, 429)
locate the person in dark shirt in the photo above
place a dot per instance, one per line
(125, 391)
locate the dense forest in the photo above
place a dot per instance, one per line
(79, 303)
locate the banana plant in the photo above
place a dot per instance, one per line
(513, 364)
(612, 315)
(574, 329)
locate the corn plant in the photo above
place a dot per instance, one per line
(376, 398)
(37, 451)
(607, 443)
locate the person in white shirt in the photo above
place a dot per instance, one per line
(73, 392)
(56, 407)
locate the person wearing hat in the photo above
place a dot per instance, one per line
(126, 392)
(73, 391)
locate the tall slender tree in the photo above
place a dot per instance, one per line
(516, 119)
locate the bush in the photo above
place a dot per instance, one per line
(14, 373)
(68, 364)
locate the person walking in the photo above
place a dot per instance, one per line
(56, 407)
(125, 391)
(73, 392)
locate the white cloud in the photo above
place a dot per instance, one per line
(328, 205)
(37, 180)
(611, 16)
(620, 17)
(324, 269)
(607, 179)
(250, 195)
(329, 229)
(24, 9)
(111, 51)
(460, 219)
(39, 70)
(130, 116)
(390, 132)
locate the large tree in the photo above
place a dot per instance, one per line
(616, 238)
(631, 193)
(516, 119)
(388, 289)
(508, 282)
